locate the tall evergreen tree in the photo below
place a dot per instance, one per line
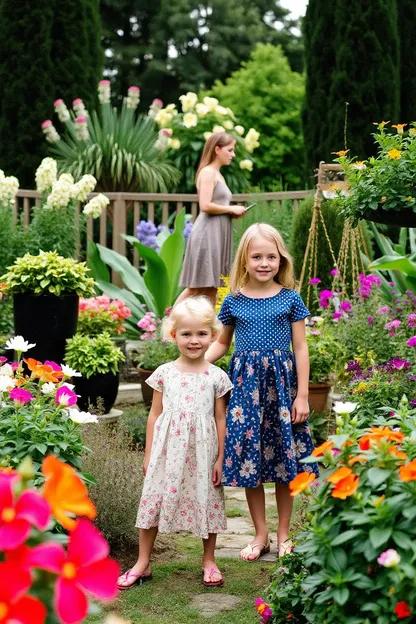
(407, 31)
(50, 49)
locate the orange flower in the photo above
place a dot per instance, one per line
(346, 487)
(65, 492)
(341, 153)
(358, 458)
(395, 452)
(43, 372)
(394, 154)
(320, 450)
(339, 474)
(399, 127)
(377, 434)
(408, 472)
(301, 482)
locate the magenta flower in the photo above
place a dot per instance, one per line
(383, 310)
(411, 320)
(314, 281)
(337, 315)
(21, 396)
(393, 324)
(346, 306)
(54, 366)
(65, 397)
(263, 610)
(412, 342)
(412, 403)
(334, 272)
(326, 294)
(2, 359)
(370, 319)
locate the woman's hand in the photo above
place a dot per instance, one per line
(217, 473)
(237, 211)
(300, 411)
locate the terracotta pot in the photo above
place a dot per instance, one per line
(147, 391)
(318, 396)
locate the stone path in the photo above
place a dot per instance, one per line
(210, 606)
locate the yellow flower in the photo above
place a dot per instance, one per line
(246, 164)
(412, 130)
(399, 128)
(384, 198)
(341, 153)
(394, 154)
(379, 501)
(409, 198)
(362, 387)
(381, 123)
(190, 120)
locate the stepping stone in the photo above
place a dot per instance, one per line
(234, 553)
(231, 540)
(238, 526)
(211, 604)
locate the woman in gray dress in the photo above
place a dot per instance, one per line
(209, 248)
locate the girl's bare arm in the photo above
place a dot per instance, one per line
(300, 350)
(220, 347)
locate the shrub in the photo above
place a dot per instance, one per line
(92, 355)
(154, 353)
(118, 476)
(134, 421)
(324, 352)
(280, 217)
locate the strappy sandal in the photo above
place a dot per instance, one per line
(137, 579)
(249, 550)
(286, 547)
(209, 573)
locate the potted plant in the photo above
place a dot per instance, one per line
(323, 352)
(97, 359)
(383, 189)
(153, 353)
(45, 290)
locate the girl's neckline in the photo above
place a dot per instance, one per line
(263, 298)
(189, 373)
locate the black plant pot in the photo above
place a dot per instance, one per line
(46, 320)
(403, 218)
(102, 385)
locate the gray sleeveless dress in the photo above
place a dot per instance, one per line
(209, 249)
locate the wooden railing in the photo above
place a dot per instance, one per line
(127, 209)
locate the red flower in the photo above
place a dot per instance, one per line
(18, 516)
(402, 610)
(84, 568)
(15, 606)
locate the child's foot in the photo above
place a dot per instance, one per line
(285, 547)
(212, 577)
(138, 574)
(255, 550)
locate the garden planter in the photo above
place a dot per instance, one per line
(318, 396)
(46, 320)
(102, 386)
(403, 218)
(147, 391)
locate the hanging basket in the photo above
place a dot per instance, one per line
(403, 218)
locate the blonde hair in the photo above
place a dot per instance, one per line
(239, 275)
(218, 139)
(200, 308)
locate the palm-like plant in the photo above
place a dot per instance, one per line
(118, 147)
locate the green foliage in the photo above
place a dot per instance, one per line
(324, 351)
(134, 421)
(272, 102)
(56, 47)
(383, 183)
(48, 273)
(279, 215)
(154, 352)
(91, 355)
(210, 42)
(120, 152)
(352, 52)
(52, 229)
(7, 230)
(300, 232)
(158, 288)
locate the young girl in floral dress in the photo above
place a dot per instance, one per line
(184, 444)
(267, 431)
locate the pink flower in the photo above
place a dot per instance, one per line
(370, 319)
(54, 366)
(65, 397)
(326, 294)
(134, 88)
(77, 101)
(412, 342)
(58, 102)
(81, 120)
(84, 569)
(383, 310)
(389, 558)
(392, 324)
(346, 306)
(20, 396)
(2, 359)
(411, 320)
(334, 272)
(337, 315)
(46, 123)
(15, 605)
(263, 610)
(314, 281)
(104, 83)
(157, 102)
(17, 516)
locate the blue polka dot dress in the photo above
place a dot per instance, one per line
(261, 444)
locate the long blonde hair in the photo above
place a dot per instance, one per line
(218, 139)
(239, 275)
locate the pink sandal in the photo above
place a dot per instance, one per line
(136, 579)
(209, 573)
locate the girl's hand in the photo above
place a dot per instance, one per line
(300, 411)
(217, 473)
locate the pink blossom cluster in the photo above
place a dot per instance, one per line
(116, 308)
(367, 283)
(149, 324)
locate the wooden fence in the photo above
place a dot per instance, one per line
(127, 209)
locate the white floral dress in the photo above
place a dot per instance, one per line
(178, 493)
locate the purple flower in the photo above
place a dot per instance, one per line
(412, 342)
(370, 319)
(334, 272)
(324, 303)
(383, 310)
(392, 324)
(393, 292)
(315, 332)
(411, 377)
(146, 232)
(353, 366)
(399, 363)
(364, 293)
(188, 229)
(346, 306)
(412, 403)
(314, 281)
(411, 320)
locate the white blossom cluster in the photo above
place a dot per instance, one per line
(96, 205)
(9, 186)
(81, 129)
(251, 140)
(61, 110)
(84, 187)
(104, 91)
(46, 174)
(61, 194)
(133, 97)
(79, 108)
(50, 132)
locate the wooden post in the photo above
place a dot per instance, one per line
(119, 227)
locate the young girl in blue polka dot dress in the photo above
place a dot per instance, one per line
(267, 431)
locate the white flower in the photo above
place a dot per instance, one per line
(46, 174)
(163, 117)
(6, 382)
(344, 408)
(171, 109)
(62, 111)
(211, 103)
(389, 558)
(218, 129)
(207, 135)
(8, 189)
(188, 101)
(104, 91)
(96, 205)
(251, 140)
(190, 120)
(228, 125)
(61, 194)
(67, 177)
(6, 369)
(70, 372)
(82, 418)
(239, 130)
(247, 469)
(174, 144)
(68, 385)
(83, 187)
(221, 111)
(19, 344)
(246, 164)
(202, 110)
(48, 387)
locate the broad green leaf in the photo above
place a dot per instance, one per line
(376, 476)
(379, 536)
(345, 537)
(99, 270)
(172, 253)
(395, 263)
(337, 560)
(341, 595)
